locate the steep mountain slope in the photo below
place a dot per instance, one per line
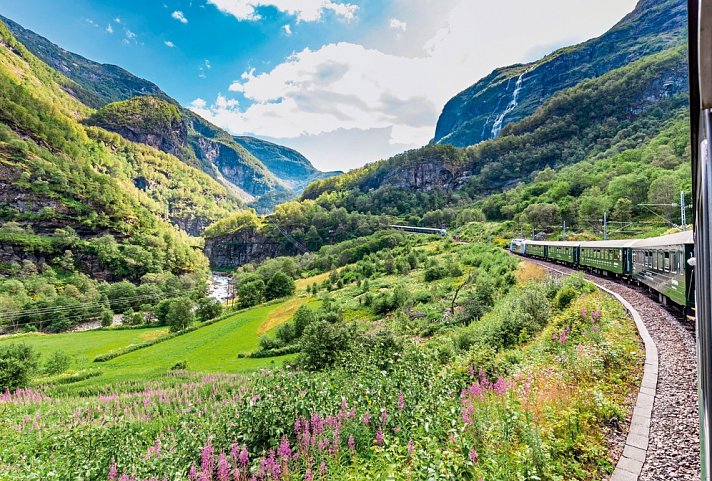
(598, 117)
(139, 111)
(512, 93)
(70, 188)
(96, 84)
(177, 131)
(287, 164)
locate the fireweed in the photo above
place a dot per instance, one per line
(420, 417)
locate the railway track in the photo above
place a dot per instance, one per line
(673, 451)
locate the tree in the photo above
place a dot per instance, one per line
(17, 364)
(180, 313)
(251, 293)
(162, 312)
(664, 190)
(313, 239)
(107, 317)
(593, 205)
(542, 215)
(322, 344)
(57, 363)
(280, 285)
(208, 308)
(623, 210)
(302, 318)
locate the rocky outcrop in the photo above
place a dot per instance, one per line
(242, 247)
(479, 112)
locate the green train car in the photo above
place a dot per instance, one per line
(536, 249)
(661, 263)
(609, 256)
(567, 252)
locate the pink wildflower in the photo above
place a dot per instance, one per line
(379, 438)
(223, 468)
(351, 442)
(473, 456)
(366, 418)
(401, 401)
(112, 472)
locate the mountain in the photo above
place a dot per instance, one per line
(141, 112)
(512, 93)
(287, 164)
(96, 84)
(597, 118)
(178, 131)
(77, 197)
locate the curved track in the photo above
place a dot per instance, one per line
(673, 452)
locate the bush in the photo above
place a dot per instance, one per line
(280, 285)
(57, 363)
(107, 318)
(180, 366)
(180, 313)
(564, 297)
(208, 308)
(251, 293)
(323, 343)
(17, 364)
(302, 318)
(435, 272)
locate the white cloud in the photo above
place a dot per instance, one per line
(169, 44)
(398, 24)
(178, 15)
(347, 87)
(304, 10)
(287, 29)
(117, 19)
(91, 22)
(129, 36)
(109, 29)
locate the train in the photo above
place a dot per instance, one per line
(664, 264)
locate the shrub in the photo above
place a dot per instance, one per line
(180, 366)
(435, 272)
(17, 364)
(208, 308)
(57, 363)
(107, 317)
(180, 313)
(280, 285)
(323, 343)
(564, 297)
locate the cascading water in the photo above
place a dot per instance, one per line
(497, 126)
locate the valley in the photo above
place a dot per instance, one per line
(273, 323)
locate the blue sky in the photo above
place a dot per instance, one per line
(345, 82)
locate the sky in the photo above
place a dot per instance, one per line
(344, 82)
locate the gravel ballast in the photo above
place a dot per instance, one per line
(674, 449)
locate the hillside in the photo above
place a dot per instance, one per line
(512, 93)
(95, 84)
(80, 204)
(180, 132)
(598, 118)
(139, 111)
(287, 164)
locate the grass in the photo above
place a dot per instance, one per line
(213, 348)
(84, 346)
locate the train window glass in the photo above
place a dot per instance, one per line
(655, 260)
(667, 262)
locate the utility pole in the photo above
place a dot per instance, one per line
(605, 226)
(683, 217)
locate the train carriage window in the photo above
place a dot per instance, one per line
(655, 260)
(666, 262)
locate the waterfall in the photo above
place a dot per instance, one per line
(497, 125)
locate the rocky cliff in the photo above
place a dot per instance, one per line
(245, 246)
(512, 93)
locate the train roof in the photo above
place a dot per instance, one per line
(666, 240)
(552, 243)
(607, 243)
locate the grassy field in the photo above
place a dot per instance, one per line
(213, 348)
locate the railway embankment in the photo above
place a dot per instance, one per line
(663, 436)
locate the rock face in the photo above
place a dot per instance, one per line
(512, 93)
(242, 247)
